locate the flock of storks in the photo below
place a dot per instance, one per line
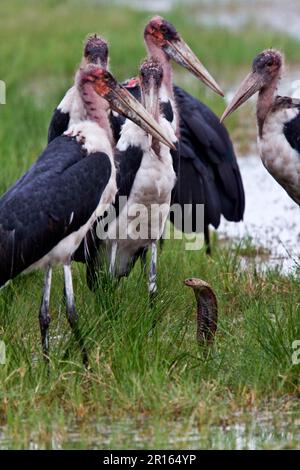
(147, 141)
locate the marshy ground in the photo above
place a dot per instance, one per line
(149, 387)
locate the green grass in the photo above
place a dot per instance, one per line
(158, 377)
(147, 387)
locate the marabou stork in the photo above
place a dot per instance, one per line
(278, 120)
(163, 43)
(146, 177)
(46, 214)
(71, 109)
(208, 172)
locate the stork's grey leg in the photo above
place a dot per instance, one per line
(143, 258)
(113, 256)
(152, 286)
(44, 316)
(207, 240)
(71, 311)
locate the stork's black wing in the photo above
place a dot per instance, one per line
(127, 163)
(209, 172)
(58, 124)
(57, 195)
(62, 114)
(291, 128)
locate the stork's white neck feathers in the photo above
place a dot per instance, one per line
(132, 136)
(73, 105)
(89, 121)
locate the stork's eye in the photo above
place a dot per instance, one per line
(269, 62)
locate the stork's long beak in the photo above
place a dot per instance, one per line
(252, 83)
(122, 102)
(179, 51)
(151, 99)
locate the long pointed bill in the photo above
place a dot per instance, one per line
(151, 100)
(252, 83)
(121, 101)
(184, 56)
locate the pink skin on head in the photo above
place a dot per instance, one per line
(264, 77)
(96, 107)
(269, 64)
(96, 51)
(156, 52)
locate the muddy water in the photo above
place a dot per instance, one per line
(255, 431)
(237, 14)
(271, 218)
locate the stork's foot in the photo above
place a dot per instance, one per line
(44, 319)
(143, 258)
(208, 250)
(79, 339)
(44, 316)
(152, 283)
(153, 297)
(92, 277)
(207, 240)
(72, 314)
(72, 317)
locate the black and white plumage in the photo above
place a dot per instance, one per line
(163, 42)
(205, 166)
(207, 154)
(71, 109)
(47, 213)
(278, 120)
(208, 172)
(52, 202)
(44, 216)
(207, 169)
(145, 178)
(152, 184)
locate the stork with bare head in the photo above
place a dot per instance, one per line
(71, 108)
(145, 178)
(208, 173)
(47, 213)
(278, 120)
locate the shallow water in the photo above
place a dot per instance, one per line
(253, 431)
(271, 218)
(237, 14)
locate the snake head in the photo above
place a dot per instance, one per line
(207, 309)
(196, 283)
